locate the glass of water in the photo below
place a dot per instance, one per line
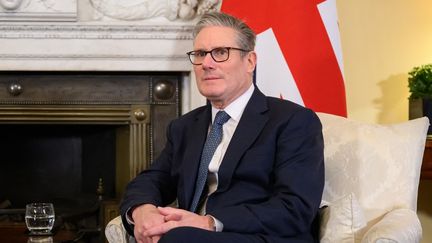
(39, 218)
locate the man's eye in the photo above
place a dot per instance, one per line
(220, 51)
(200, 53)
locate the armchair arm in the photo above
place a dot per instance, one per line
(116, 233)
(397, 226)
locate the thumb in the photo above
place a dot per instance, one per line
(167, 210)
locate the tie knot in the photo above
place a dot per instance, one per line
(221, 118)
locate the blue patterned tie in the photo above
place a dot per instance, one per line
(213, 139)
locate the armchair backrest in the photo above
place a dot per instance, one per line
(377, 165)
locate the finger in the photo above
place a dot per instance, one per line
(139, 236)
(149, 240)
(170, 210)
(141, 240)
(155, 239)
(175, 217)
(160, 229)
(144, 240)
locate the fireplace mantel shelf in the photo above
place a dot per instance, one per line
(95, 46)
(95, 31)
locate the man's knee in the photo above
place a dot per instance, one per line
(192, 235)
(182, 235)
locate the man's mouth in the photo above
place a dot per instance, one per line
(211, 77)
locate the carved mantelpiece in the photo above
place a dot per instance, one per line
(95, 47)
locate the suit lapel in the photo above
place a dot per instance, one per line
(250, 125)
(192, 155)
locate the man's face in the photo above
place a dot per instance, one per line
(10, 4)
(222, 82)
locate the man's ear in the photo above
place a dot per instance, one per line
(251, 61)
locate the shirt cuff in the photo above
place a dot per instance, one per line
(129, 216)
(218, 224)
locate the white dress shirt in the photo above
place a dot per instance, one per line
(235, 111)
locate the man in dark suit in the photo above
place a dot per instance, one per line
(264, 180)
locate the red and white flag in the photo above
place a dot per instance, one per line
(299, 52)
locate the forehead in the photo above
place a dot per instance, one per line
(215, 36)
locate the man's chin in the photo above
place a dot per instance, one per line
(211, 93)
(211, 97)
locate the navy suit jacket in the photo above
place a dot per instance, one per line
(271, 178)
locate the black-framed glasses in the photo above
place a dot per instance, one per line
(219, 54)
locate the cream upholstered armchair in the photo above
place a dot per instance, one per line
(372, 176)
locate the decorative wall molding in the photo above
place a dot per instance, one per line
(80, 31)
(44, 57)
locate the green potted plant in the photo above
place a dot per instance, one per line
(420, 87)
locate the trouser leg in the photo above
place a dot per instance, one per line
(196, 235)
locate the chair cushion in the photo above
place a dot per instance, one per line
(341, 220)
(400, 225)
(380, 164)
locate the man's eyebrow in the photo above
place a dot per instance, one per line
(202, 49)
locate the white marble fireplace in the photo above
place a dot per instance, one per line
(45, 38)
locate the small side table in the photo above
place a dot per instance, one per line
(17, 234)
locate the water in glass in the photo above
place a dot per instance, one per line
(39, 217)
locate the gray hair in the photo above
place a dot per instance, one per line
(245, 35)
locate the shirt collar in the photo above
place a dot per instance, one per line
(236, 108)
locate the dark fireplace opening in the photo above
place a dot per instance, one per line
(63, 164)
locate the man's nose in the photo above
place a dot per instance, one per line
(208, 61)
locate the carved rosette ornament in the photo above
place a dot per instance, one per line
(10, 5)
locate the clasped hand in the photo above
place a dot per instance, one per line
(152, 222)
